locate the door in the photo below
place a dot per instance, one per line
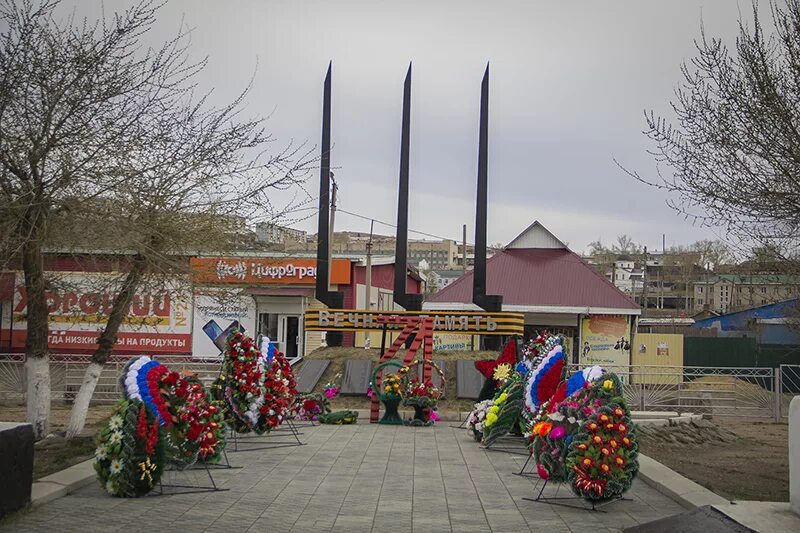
(289, 335)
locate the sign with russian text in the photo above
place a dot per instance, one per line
(79, 305)
(253, 270)
(464, 323)
(605, 341)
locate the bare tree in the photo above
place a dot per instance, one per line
(731, 155)
(93, 123)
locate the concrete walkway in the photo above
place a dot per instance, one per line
(350, 478)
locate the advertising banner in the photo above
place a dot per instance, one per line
(214, 317)
(442, 342)
(605, 341)
(155, 322)
(251, 271)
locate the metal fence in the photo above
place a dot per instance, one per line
(720, 392)
(788, 387)
(715, 391)
(66, 376)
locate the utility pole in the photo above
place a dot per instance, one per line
(368, 284)
(334, 188)
(368, 280)
(661, 270)
(464, 249)
(644, 282)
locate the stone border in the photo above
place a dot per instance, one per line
(62, 483)
(670, 483)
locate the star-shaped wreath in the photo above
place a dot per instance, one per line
(508, 357)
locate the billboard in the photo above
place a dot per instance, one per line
(605, 340)
(215, 316)
(155, 321)
(255, 271)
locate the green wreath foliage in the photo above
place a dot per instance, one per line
(128, 464)
(338, 417)
(508, 413)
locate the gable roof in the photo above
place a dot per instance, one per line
(546, 280)
(536, 236)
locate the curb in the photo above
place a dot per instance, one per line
(62, 483)
(673, 485)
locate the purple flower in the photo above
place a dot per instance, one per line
(557, 432)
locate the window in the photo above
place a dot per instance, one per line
(701, 289)
(763, 290)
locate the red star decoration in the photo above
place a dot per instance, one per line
(508, 357)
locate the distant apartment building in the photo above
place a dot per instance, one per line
(732, 292)
(274, 234)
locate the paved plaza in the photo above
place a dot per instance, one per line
(350, 478)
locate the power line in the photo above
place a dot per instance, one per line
(364, 217)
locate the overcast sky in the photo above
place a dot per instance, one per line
(569, 83)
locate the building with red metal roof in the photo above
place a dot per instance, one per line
(538, 275)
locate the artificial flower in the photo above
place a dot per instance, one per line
(558, 432)
(101, 453)
(622, 428)
(605, 451)
(587, 462)
(608, 384)
(502, 372)
(613, 443)
(115, 422)
(619, 461)
(503, 397)
(604, 418)
(626, 441)
(582, 447)
(115, 467)
(619, 412)
(597, 439)
(115, 437)
(604, 467)
(592, 426)
(491, 418)
(542, 471)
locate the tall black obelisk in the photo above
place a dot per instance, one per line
(493, 302)
(409, 302)
(323, 294)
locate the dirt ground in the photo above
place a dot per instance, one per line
(737, 459)
(56, 453)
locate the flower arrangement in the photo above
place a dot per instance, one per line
(130, 455)
(257, 388)
(331, 389)
(392, 385)
(504, 416)
(420, 393)
(586, 439)
(308, 407)
(477, 417)
(193, 426)
(602, 458)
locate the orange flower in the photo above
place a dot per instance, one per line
(545, 429)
